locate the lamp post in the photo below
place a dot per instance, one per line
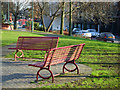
(32, 17)
(8, 12)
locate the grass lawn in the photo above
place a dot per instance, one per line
(9, 37)
(102, 57)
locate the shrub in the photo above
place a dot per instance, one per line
(41, 28)
(28, 23)
(3, 17)
(85, 26)
(36, 25)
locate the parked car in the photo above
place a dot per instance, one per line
(84, 33)
(76, 30)
(106, 36)
(93, 32)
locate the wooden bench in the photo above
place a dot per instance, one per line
(66, 54)
(34, 43)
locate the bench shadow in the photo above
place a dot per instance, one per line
(13, 63)
(16, 76)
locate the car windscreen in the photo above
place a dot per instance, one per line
(92, 31)
(77, 30)
(109, 35)
(84, 32)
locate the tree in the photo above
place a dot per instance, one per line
(49, 9)
(3, 16)
(62, 18)
(70, 19)
(69, 9)
(0, 16)
(40, 8)
(16, 8)
(3, 10)
(53, 17)
(97, 12)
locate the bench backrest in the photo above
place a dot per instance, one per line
(37, 43)
(63, 54)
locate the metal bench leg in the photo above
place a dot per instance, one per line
(73, 62)
(43, 76)
(76, 68)
(22, 55)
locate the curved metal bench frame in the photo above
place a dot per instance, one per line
(66, 54)
(38, 74)
(21, 56)
(73, 62)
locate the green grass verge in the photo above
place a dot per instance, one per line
(102, 57)
(9, 37)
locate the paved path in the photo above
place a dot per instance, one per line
(20, 75)
(6, 51)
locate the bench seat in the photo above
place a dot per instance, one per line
(37, 64)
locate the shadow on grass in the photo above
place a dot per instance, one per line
(105, 76)
(101, 53)
(98, 63)
(50, 35)
(61, 36)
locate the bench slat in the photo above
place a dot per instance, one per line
(37, 43)
(64, 54)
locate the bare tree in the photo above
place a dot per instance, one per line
(47, 9)
(98, 12)
(40, 11)
(70, 19)
(54, 15)
(62, 17)
(17, 7)
(0, 16)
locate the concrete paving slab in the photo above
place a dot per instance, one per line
(20, 75)
(6, 51)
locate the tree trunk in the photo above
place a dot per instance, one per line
(0, 16)
(100, 24)
(62, 18)
(70, 20)
(54, 16)
(48, 29)
(43, 23)
(15, 24)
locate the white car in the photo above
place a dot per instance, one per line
(84, 33)
(93, 32)
(76, 30)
